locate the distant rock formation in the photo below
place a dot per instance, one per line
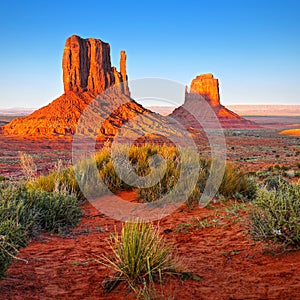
(206, 88)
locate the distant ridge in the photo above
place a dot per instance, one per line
(266, 110)
(16, 111)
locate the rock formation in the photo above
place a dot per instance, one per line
(90, 81)
(96, 99)
(87, 72)
(206, 88)
(87, 66)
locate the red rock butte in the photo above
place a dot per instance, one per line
(206, 88)
(87, 67)
(87, 72)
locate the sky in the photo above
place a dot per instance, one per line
(252, 47)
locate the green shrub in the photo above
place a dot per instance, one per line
(236, 183)
(139, 252)
(24, 212)
(12, 237)
(58, 181)
(276, 215)
(273, 183)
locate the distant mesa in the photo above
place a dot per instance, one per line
(206, 88)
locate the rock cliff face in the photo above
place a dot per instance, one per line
(87, 66)
(206, 88)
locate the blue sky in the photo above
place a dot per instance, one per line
(253, 47)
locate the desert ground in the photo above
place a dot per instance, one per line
(227, 262)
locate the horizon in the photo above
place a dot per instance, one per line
(251, 47)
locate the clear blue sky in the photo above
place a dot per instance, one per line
(253, 47)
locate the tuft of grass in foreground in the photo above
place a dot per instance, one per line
(275, 215)
(139, 254)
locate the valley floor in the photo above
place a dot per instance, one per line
(231, 265)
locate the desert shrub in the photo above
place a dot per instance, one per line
(142, 159)
(24, 212)
(236, 183)
(275, 215)
(28, 166)
(3, 178)
(12, 237)
(57, 181)
(139, 252)
(273, 183)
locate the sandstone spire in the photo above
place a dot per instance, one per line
(123, 71)
(208, 87)
(87, 66)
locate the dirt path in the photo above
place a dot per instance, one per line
(231, 265)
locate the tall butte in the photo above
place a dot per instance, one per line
(87, 67)
(206, 88)
(87, 72)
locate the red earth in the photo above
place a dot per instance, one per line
(231, 265)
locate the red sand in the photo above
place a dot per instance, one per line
(231, 265)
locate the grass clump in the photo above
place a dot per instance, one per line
(237, 184)
(275, 216)
(25, 212)
(139, 253)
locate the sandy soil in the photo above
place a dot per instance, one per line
(230, 264)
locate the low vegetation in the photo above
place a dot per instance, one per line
(236, 183)
(52, 202)
(275, 216)
(25, 212)
(139, 254)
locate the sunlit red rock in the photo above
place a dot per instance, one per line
(87, 72)
(206, 88)
(87, 66)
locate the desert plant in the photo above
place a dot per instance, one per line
(24, 212)
(236, 183)
(275, 215)
(274, 182)
(28, 166)
(12, 237)
(139, 252)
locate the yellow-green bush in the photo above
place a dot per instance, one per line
(275, 215)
